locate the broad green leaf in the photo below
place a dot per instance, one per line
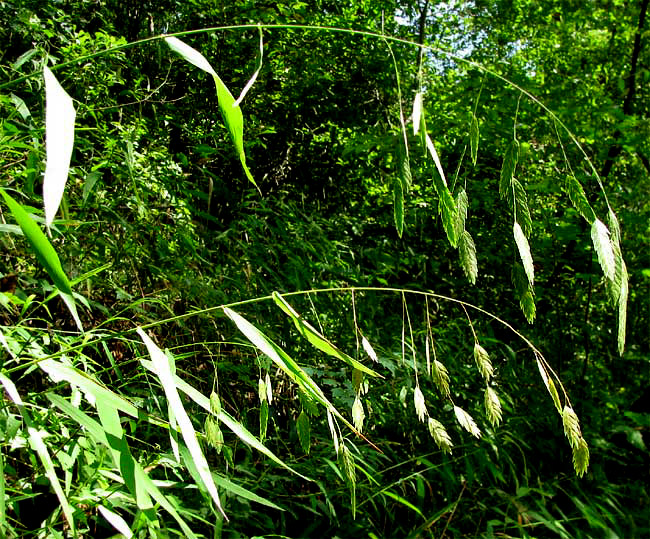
(508, 168)
(230, 111)
(35, 438)
(59, 141)
(398, 205)
(467, 252)
(417, 112)
(141, 478)
(237, 428)
(603, 247)
(166, 377)
(524, 253)
(578, 198)
(45, 253)
(473, 138)
(304, 431)
(318, 340)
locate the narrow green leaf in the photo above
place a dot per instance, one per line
(603, 247)
(35, 438)
(122, 456)
(287, 364)
(524, 253)
(417, 112)
(473, 138)
(304, 431)
(253, 78)
(164, 372)
(622, 310)
(227, 485)
(550, 386)
(230, 111)
(467, 253)
(508, 168)
(59, 141)
(93, 391)
(45, 253)
(264, 419)
(317, 339)
(436, 158)
(141, 478)
(116, 521)
(398, 205)
(235, 426)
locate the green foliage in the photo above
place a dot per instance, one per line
(265, 306)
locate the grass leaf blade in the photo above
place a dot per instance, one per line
(45, 253)
(163, 370)
(59, 141)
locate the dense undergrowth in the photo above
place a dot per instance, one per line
(321, 367)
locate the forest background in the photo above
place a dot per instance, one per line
(374, 304)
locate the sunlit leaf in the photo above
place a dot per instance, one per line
(35, 438)
(230, 111)
(116, 521)
(317, 339)
(45, 254)
(166, 377)
(417, 112)
(59, 141)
